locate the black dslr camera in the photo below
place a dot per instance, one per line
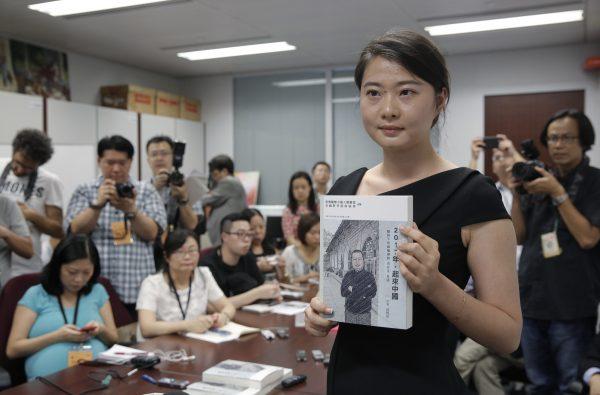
(125, 190)
(525, 171)
(176, 178)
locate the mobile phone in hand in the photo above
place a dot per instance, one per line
(87, 328)
(491, 142)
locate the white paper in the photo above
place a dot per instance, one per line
(289, 308)
(231, 331)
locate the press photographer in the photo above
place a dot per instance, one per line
(165, 158)
(122, 215)
(556, 216)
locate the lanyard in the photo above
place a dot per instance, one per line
(172, 286)
(62, 310)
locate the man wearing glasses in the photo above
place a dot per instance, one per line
(235, 268)
(38, 193)
(558, 223)
(180, 213)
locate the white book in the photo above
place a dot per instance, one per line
(202, 388)
(118, 355)
(257, 308)
(360, 277)
(243, 374)
(231, 331)
(289, 308)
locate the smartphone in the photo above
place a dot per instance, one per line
(318, 355)
(86, 328)
(491, 142)
(172, 383)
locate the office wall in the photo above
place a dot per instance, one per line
(509, 72)
(87, 74)
(216, 96)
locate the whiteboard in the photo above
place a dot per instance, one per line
(192, 133)
(72, 123)
(19, 111)
(153, 125)
(125, 123)
(62, 164)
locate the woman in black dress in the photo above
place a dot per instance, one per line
(461, 228)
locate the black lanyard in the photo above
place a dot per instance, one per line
(172, 286)
(62, 310)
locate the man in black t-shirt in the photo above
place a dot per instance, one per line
(558, 223)
(234, 268)
(359, 288)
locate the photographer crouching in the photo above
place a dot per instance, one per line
(165, 157)
(556, 215)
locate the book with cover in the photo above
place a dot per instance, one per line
(359, 273)
(205, 388)
(243, 374)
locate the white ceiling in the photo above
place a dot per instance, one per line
(326, 32)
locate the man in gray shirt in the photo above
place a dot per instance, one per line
(14, 236)
(227, 196)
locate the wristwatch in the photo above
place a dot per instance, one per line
(183, 202)
(557, 201)
(130, 215)
(94, 205)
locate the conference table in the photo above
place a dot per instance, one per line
(253, 347)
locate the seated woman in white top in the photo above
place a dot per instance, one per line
(302, 259)
(177, 298)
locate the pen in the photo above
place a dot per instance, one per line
(149, 379)
(130, 353)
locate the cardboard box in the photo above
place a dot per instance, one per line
(189, 109)
(167, 104)
(129, 97)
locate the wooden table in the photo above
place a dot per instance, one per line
(248, 348)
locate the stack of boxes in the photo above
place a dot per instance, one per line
(150, 101)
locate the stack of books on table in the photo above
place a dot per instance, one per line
(232, 377)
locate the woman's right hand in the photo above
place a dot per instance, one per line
(200, 324)
(314, 323)
(70, 333)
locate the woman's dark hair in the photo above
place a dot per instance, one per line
(251, 213)
(34, 144)
(586, 130)
(416, 53)
(321, 162)
(221, 162)
(70, 249)
(292, 203)
(160, 139)
(174, 241)
(307, 221)
(117, 143)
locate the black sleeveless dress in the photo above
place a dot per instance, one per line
(370, 360)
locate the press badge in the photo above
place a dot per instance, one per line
(550, 246)
(121, 233)
(79, 354)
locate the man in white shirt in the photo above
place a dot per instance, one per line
(38, 193)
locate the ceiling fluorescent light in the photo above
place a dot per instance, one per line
(312, 81)
(72, 7)
(506, 23)
(237, 51)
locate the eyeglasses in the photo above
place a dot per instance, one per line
(241, 234)
(156, 154)
(554, 139)
(183, 253)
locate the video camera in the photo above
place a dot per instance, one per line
(525, 171)
(176, 177)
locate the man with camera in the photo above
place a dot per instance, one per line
(123, 216)
(556, 215)
(165, 157)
